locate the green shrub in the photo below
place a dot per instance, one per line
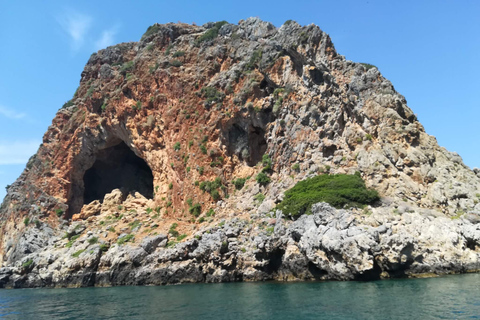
(201, 170)
(151, 30)
(215, 195)
(126, 238)
(203, 149)
(178, 54)
(210, 213)
(368, 137)
(78, 253)
(239, 183)
(58, 212)
(181, 237)
(173, 230)
(26, 221)
(262, 179)
(296, 167)
(90, 91)
(27, 264)
(196, 209)
(211, 33)
(104, 247)
(368, 66)
(267, 163)
(93, 240)
(67, 104)
(134, 224)
(259, 197)
(170, 186)
(176, 63)
(168, 49)
(212, 95)
(176, 146)
(127, 66)
(338, 190)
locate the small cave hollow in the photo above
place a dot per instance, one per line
(117, 167)
(248, 144)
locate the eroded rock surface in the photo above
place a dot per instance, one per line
(136, 181)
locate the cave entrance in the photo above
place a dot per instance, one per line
(248, 144)
(117, 167)
(257, 144)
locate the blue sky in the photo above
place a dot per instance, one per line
(430, 50)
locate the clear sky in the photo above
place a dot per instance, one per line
(429, 50)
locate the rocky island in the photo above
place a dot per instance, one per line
(175, 159)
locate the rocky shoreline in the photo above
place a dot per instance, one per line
(330, 244)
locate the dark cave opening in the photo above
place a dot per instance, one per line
(257, 144)
(117, 167)
(249, 145)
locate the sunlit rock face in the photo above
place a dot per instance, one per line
(152, 120)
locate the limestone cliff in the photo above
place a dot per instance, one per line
(147, 153)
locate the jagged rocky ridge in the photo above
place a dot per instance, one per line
(189, 104)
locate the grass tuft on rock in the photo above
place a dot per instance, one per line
(339, 190)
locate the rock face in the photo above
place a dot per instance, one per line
(133, 181)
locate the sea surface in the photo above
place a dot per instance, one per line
(449, 297)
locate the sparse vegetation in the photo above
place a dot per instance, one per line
(127, 238)
(176, 63)
(172, 231)
(262, 179)
(210, 213)
(368, 66)
(67, 104)
(72, 241)
(127, 66)
(176, 146)
(181, 237)
(196, 209)
(211, 33)
(338, 190)
(212, 95)
(59, 212)
(239, 183)
(259, 197)
(254, 60)
(78, 253)
(93, 240)
(267, 163)
(27, 264)
(296, 167)
(138, 105)
(178, 54)
(151, 30)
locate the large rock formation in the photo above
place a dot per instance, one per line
(133, 181)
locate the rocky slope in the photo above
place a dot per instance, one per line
(139, 179)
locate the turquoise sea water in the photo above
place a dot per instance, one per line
(450, 297)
